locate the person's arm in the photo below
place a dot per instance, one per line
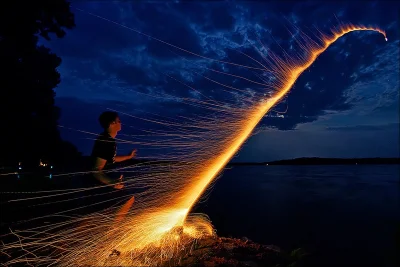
(98, 167)
(127, 157)
(101, 151)
(101, 176)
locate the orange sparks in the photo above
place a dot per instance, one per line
(158, 226)
(292, 72)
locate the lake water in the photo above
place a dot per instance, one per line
(341, 215)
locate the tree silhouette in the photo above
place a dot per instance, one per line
(28, 76)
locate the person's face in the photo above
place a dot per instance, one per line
(116, 125)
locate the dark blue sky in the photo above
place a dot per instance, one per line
(346, 105)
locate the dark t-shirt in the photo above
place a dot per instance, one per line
(105, 147)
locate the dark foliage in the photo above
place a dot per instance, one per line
(28, 77)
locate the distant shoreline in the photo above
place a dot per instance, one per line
(295, 161)
(83, 163)
(325, 161)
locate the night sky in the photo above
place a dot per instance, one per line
(346, 105)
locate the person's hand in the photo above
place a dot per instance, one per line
(119, 186)
(133, 154)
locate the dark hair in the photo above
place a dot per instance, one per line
(106, 118)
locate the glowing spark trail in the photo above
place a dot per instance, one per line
(154, 226)
(291, 73)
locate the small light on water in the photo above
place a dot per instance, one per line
(20, 168)
(51, 175)
(51, 167)
(18, 176)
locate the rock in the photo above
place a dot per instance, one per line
(220, 251)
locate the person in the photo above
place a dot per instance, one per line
(104, 152)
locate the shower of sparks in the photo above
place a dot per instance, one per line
(155, 226)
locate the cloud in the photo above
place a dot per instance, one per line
(372, 85)
(376, 87)
(355, 82)
(104, 61)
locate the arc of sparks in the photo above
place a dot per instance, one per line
(138, 231)
(291, 74)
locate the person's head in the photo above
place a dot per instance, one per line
(110, 121)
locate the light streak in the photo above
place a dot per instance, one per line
(291, 73)
(158, 226)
